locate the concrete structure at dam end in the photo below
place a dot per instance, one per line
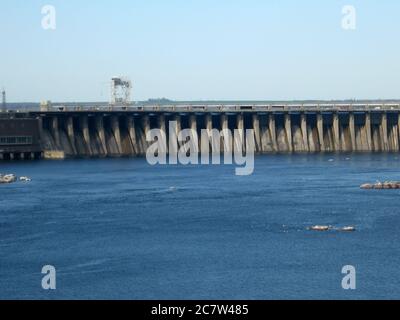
(121, 132)
(19, 137)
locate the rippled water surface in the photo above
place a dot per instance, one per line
(119, 228)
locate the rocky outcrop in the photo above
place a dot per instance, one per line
(381, 185)
(8, 178)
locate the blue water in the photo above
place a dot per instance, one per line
(121, 229)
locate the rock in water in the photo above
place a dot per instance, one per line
(320, 228)
(367, 186)
(382, 186)
(348, 229)
(8, 178)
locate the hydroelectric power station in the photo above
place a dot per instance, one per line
(110, 131)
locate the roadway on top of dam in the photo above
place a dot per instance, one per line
(202, 109)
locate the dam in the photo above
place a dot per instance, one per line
(121, 131)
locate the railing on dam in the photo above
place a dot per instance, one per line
(232, 108)
(204, 108)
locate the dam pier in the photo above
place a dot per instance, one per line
(73, 132)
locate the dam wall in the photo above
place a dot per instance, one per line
(123, 133)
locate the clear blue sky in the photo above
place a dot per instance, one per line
(205, 49)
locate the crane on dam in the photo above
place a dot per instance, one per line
(120, 91)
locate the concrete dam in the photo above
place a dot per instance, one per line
(121, 132)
